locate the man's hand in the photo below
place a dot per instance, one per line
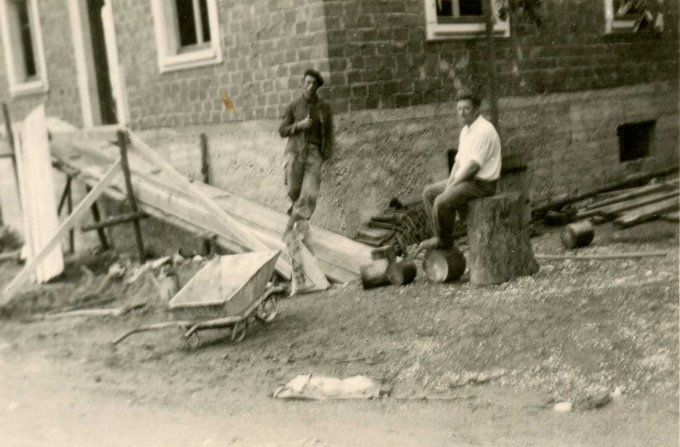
(304, 124)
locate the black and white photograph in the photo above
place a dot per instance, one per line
(339, 223)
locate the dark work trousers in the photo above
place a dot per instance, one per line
(303, 179)
(442, 202)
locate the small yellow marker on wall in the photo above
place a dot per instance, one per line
(227, 103)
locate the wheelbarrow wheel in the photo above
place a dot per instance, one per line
(238, 332)
(267, 310)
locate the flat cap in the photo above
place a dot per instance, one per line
(316, 75)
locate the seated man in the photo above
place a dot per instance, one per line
(474, 174)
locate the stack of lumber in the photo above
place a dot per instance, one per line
(88, 155)
(632, 206)
(402, 224)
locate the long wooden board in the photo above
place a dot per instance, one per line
(70, 222)
(592, 208)
(38, 200)
(618, 208)
(647, 212)
(339, 257)
(228, 224)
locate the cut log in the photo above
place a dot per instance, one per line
(374, 274)
(648, 212)
(498, 240)
(578, 234)
(444, 265)
(402, 272)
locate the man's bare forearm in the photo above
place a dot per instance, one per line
(465, 174)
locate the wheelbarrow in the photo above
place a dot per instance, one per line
(227, 292)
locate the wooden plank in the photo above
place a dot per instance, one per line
(602, 257)
(38, 199)
(672, 217)
(65, 226)
(617, 208)
(629, 194)
(647, 212)
(240, 232)
(190, 217)
(339, 257)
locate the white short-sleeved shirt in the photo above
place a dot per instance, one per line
(480, 142)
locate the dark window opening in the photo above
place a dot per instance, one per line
(459, 10)
(192, 18)
(635, 140)
(26, 38)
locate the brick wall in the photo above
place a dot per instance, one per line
(379, 57)
(62, 99)
(267, 45)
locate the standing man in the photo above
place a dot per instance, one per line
(474, 174)
(308, 125)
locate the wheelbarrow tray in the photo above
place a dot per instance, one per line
(227, 286)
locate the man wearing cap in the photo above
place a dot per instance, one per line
(474, 174)
(308, 125)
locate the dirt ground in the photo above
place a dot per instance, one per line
(460, 365)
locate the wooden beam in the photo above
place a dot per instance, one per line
(238, 231)
(602, 257)
(69, 223)
(618, 208)
(122, 145)
(648, 212)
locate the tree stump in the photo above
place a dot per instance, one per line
(498, 240)
(444, 265)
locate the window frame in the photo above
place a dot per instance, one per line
(38, 82)
(459, 28)
(614, 24)
(171, 55)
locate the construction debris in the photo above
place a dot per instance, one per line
(318, 387)
(160, 195)
(625, 207)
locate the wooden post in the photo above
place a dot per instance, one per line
(205, 171)
(69, 207)
(8, 126)
(96, 215)
(491, 61)
(64, 195)
(122, 144)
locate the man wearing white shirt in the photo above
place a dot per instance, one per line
(474, 174)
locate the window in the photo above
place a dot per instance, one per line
(187, 33)
(635, 139)
(23, 47)
(452, 19)
(633, 15)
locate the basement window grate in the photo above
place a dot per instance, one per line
(635, 140)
